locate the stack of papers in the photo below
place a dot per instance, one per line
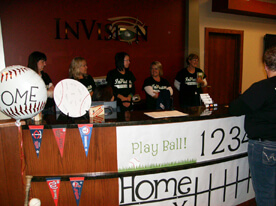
(164, 114)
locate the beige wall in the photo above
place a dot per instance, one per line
(254, 30)
(193, 25)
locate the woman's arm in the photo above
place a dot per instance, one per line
(149, 90)
(171, 90)
(177, 84)
(50, 90)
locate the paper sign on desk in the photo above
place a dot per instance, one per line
(96, 111)
(164, 114)
(98, 119)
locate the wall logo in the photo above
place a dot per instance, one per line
(125, 29)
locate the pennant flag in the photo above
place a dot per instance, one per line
(60, 138)
(54, 184)
(36, 132)
(85, 132)
(77, 183)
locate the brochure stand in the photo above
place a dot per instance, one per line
(207, 100)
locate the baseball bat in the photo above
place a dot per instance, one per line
(28, 186)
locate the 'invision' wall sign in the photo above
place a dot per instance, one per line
(125, 29)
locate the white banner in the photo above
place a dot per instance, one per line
(162, 145)
(222, 184)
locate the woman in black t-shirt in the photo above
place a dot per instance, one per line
(189, 82)
(157, 88)
(122, 82)
(78, 71)
(37, 62)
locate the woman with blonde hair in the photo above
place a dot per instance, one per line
(189, 82)
(158, 90)
(78, 71)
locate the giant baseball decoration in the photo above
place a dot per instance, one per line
(23, 93)
(72, 98)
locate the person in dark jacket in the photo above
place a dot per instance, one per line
(258, 104)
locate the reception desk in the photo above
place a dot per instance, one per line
(198, 159)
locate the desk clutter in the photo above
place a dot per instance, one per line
(207, 100)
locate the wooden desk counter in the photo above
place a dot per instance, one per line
(99, 167)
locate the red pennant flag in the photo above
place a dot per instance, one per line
(54, 184)
(60, 138)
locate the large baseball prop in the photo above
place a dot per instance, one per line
(72, 98)
(23, 93)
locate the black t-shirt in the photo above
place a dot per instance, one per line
(261, 99)
(121, 84)
(156, 86)
(189, 94)
(89, 83)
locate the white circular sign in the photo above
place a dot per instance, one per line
(72, 98)
(23, 93)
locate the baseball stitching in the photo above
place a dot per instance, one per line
(9, 74)
(17, 112)
(61, 94)
(83, 102)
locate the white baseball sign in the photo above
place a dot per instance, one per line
(23, 93)
(72, 98)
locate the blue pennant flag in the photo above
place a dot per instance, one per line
(36, 132)
(77, 183)
(85, 132)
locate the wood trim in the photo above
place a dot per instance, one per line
(10, 123)
(241, 60)
(250, 8)
(12, 188)
(225, 31)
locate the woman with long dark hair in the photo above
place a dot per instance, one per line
(37, 62)
(122, 82)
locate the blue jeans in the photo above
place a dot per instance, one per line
(262, 163)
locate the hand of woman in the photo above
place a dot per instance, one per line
(156, 95)
(127, 101)
(200, 81)
(126, 104)
(50, 91)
